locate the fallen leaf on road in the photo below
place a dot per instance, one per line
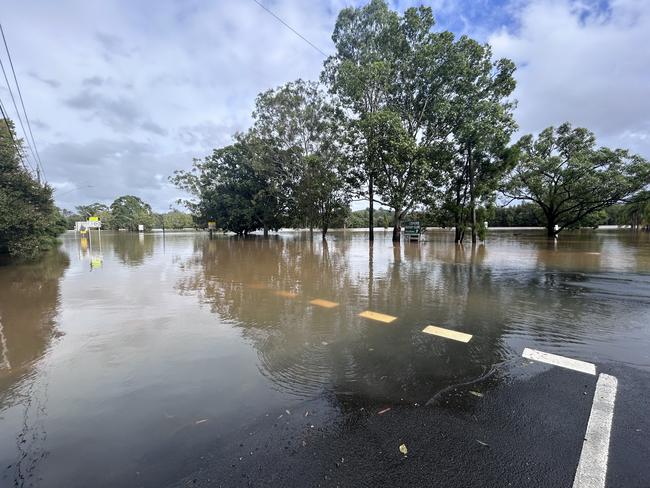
(403, 449)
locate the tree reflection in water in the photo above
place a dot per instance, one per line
(307, 350)
(29, 305)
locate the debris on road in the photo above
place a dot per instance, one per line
(403, 449)
(476, 393)
(381, 412)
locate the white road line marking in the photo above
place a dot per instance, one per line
(3, 342)
(560, 361)
(447, 333)
(592, 467)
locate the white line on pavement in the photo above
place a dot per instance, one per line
(3, 342)
(592, 467)
(560, 361)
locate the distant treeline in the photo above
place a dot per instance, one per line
(128, 212)
(522, 215)
(633, 214)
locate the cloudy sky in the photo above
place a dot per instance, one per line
(121, 93)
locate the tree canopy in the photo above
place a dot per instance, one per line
(128, 212)
(29, 220)
(569, 177)
(413, 119)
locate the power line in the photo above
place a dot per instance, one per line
(11, 135)
(22, 103)
(292, 29)
(11, 94)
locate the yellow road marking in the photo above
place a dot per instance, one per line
(446, 333)
(286, 294)
(377, 316)
(323, 303)
(258, 286)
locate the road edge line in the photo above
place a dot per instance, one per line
(592, 466)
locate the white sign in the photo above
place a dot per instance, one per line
(87, 224)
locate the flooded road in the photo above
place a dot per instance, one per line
(127, 365)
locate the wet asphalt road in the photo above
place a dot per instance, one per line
(526, 430)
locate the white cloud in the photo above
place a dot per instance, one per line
(158, 83)
(584, 64)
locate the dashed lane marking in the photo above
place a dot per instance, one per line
(380, 317)
(447, 333)
(286, 294)
(323, 303)
(561, 361)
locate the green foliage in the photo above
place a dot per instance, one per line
(289, 169)
(427, 107)
(84, 212)
(383, 73)
(569, 178)
(128, 212)
(302, 128)
(523, 215)
(175, 219)
(636, 212)
(237, 187)
(417, 121)
(481, 123)
(29, 221)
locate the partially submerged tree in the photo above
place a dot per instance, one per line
(29, 220)
(404, 169)
(443, 103)
(636, 212)
(304, 131)
(362, 71)
(128, 212)
(236, 186)
(481, 122)
(569, 177)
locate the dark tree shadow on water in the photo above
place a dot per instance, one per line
(29, 305)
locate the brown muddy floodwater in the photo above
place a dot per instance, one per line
(120, 364)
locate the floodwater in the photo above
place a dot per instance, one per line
(122, 360)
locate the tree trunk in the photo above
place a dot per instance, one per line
(459, 235)
(324, 232)
(472, 197)
(458, 216)
(311, 231)
(371, 208)
(266, 230)
(397, 227)
(550, 228)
